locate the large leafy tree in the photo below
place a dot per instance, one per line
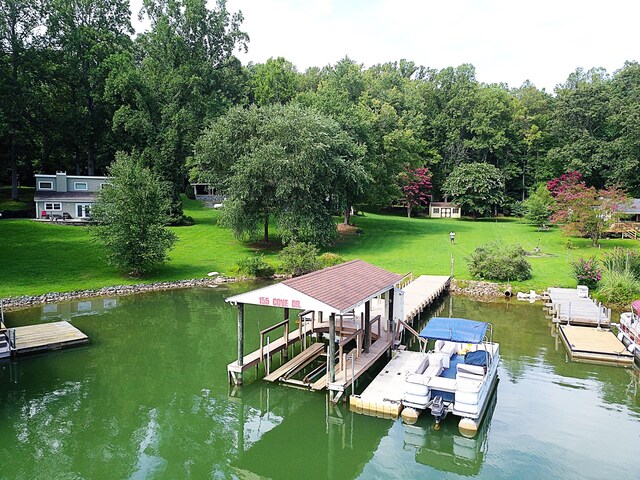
(416, 187)
(588, 212)
(182, 76)
(275, 81)
(476, 187)
(539, 206)
(20, 21)
(282, 162)
(87, 33)
(131, 214)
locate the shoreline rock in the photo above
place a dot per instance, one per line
(476, 289)
(26, 301)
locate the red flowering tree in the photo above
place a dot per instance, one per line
(416, 187)
(586, 212)
(564, 182)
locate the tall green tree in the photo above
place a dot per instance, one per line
(131, 214)
(182, 76)
(282, 162)
(20, 21)
(275, 81)
(88, 32)
(539, 206)
(476, 187)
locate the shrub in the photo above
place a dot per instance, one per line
(587, 272)
(622, 260)
(498, 261)
(255, 267)
(190, 192)
(618, 288)
(299, 258)
(329, 259)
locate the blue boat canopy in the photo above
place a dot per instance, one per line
(455, 330)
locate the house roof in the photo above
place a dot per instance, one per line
(62, 196)
(340, 288)
(633, 207)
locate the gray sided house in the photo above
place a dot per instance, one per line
(66, 196)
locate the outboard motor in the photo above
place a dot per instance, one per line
(438, 410)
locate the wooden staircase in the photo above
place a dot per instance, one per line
(632, 234)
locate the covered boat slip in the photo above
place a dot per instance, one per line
(567, 305)
(358, 305)
(337, 300)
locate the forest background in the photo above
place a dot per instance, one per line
(76, 86)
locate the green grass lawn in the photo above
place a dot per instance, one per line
(37, 258)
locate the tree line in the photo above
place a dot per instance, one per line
(77, 86)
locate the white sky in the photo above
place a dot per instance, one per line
(506, 40)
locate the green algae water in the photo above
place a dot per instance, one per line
(149, 398)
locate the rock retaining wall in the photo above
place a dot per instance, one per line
(475, 289)
(25, 301)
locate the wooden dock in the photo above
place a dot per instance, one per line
(43, 337)
(383, 396)
(421, 292)
(594, 345)
(567, 307)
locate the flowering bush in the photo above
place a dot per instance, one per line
(587, 272)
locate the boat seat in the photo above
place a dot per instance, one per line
(447, 348)
(442, 383)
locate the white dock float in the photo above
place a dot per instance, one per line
(383, 396)
(568, 307)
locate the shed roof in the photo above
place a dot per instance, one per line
(340, 288)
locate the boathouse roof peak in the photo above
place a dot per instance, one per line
(341, 288)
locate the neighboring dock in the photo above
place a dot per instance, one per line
(594, 345)
(44, 337)
(567, 306)
(421, 292)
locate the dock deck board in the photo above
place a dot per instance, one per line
(592, 345)
(47, 336)
(383, 396)
(567, 306)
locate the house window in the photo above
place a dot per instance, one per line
(456, 210)
(83, 210)
(80, 186)
(53, 206)
(45, 185)
(436, 210)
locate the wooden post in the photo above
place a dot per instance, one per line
(367, 326)
(238, 378)
(391, 323)
(286, 335)
(332, 348)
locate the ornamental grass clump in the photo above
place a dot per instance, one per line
(588, 272)
(499, 261)
(618, 288)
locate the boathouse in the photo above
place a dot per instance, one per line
(355, 303)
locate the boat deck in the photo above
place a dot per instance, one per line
(46, 336)
(383, 396)
(594, 346)
(567, 307)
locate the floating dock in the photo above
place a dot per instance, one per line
(594, 345)
(383, 396)
(44, 337)
(567, 306)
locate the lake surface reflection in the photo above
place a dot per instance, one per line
(149, 398)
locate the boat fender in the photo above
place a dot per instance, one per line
(620, 336)
(632, 347)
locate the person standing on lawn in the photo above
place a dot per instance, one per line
(452, 236)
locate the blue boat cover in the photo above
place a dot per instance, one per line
(455, 330)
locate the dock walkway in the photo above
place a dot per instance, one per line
(421, 292)
(567, 306)
(594, 345)
(46, 336)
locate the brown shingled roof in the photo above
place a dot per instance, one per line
(346, 285)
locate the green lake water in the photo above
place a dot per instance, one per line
(149, 398)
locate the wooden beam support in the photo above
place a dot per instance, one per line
(238, 378)
(332, 348)
(367, 326)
